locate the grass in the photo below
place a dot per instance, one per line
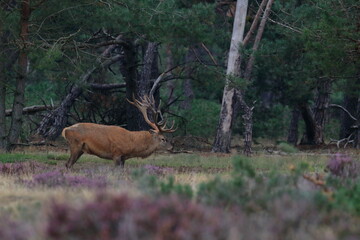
(211, 163)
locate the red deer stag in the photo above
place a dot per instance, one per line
(117, 143)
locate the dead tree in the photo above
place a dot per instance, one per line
(53, 122)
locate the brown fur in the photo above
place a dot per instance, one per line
(111, 142)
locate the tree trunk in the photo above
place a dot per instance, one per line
(2, 108)
(8, 58)
(2, 94)
(350, 103)
(129, 72)
(248, 110)
(357, 132)
(223, 135)
(19, 100)
(251, 61)
(310, 125)
(293, 132)
(315, 122)
(248, 123)
(53, 123)
(141, 85)
(170, 85)
(188, 92)
(321, 108)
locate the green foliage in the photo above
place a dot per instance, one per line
(271, 122)
(154, 185)
(49, 60)
(246, 187)
(347, 197)
(169, 186)
(238, 82)
(287, 148)
(202, 118)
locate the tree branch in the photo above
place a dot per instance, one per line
(344, 109)
(254, 24)
(98, 86)
(32, 109)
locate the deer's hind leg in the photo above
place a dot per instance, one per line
(76, 150)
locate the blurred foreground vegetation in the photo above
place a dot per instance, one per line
(292, 196)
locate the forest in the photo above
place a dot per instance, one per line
(260, 100)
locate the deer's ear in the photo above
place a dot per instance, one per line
(152, 131)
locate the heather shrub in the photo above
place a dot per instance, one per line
(59, 179)
(12, 230)
(157, 170)
(120, 217)
(341, 165)
(21, 168)
(344, 182)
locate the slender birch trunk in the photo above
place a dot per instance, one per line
(223, 135)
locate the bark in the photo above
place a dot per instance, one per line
(310, 125)
(315, 121)
(54, 122)
(18, 105)
(149, 70)
(223, 135)
(105, 86)
(2, 108)
(248, 110)
(140, 85)
(350, 104)
(254, 24)
(251, 61)
(248, 125)
(8, 58)
(170, 85)
(188, 92)
(357, 129)
(293, 132)
(2, 95)
(129, 72)
(31, 110)
(321, 108)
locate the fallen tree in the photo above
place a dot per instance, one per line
(32, 109)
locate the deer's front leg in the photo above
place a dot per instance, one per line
(119, 161)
